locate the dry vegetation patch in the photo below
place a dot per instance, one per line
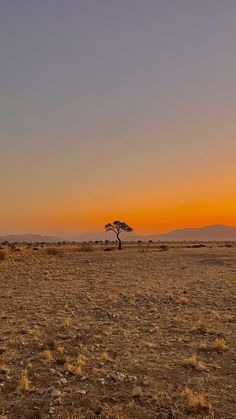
(2, 255)
(94, 334)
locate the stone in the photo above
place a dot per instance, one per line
(137, 392)
(63, 381)
(82, 391)
(56, 393)
(118, 376)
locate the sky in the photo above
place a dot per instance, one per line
(117, 110)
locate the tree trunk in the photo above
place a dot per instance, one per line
(119, 242)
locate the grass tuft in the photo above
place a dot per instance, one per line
(24, 383)
(182, 300)
(66, 322)
(219, 345)
(193, 363)
(196, 401)
(47, 354)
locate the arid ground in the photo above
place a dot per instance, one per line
(138, 333)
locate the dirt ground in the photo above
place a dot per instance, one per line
(138, 333)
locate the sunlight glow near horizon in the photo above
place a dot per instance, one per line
(121, 110)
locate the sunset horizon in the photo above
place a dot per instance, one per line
(120, 111)
(118, 209)
(136, 232)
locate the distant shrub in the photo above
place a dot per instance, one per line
(2, 255)
(198, 246)
(52, 251)
(85, 247)
(108, 249)
(163, 248)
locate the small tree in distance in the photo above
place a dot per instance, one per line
(118, 227)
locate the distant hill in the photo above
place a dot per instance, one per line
(216, 232)
(28, 238)
(33, 238)
(102, 235)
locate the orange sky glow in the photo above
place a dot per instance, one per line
(117, 112)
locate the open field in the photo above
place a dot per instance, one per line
(140, 333)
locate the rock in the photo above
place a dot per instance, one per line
(56, 393)
(102, 381)
(63, 381)
(137, 392)
(82, 391)
(133, 378)
(146, 382)
(118, 376)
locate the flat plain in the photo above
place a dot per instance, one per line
(139, 333)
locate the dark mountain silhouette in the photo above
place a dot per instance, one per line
(216, 232)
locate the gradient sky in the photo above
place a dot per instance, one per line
(117, 110)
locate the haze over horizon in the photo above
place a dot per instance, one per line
(117, 110)
(220, 231)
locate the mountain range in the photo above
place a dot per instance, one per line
(217, 232)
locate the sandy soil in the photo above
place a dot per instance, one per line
(140, 333)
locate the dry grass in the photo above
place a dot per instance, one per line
(2, 255)
(196, 401)
(50, 344)
(74, 368)
(219, 345)
(136, 319)
(52, 251)
(85, 247)
(47, 354)
(61, 349)
(200, 327)
(228, 318)
(66, 321)
(182, 300)
(104, 356)
(3, 368)
(203, 346)
(77, 367)
(194, 363)
(24, 383)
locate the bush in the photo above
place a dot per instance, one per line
(2, 255)
(163, 248)
(52, 251)
(198, 246)
(85, 247)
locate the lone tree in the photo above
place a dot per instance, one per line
(118, 227)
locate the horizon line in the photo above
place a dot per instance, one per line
(104, 232)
